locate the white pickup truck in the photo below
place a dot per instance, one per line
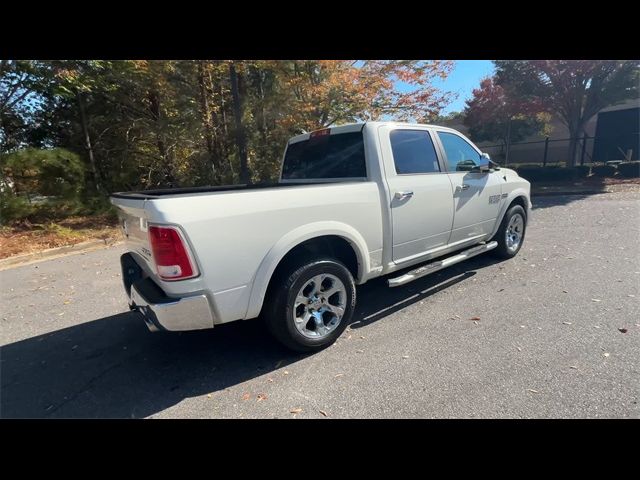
(353, 203)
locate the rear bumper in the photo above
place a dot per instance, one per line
(159, 311)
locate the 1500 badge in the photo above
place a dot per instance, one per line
(494, 199)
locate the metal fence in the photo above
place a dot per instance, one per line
(556, 151)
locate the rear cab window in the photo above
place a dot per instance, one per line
(326, 156)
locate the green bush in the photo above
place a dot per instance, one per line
(13, 208)
(604, 170)
(50, 172)
(42, 184)
(629, 169)
(581, 171)
(546, 174)
(518, 166)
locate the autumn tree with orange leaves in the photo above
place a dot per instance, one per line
(495, 113)
(140, 124)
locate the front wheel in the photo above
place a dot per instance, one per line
(510, 235)
(311, 305)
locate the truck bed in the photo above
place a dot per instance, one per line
(237, 234)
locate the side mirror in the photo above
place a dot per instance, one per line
(484, 164)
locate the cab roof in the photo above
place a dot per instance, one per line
(355, 127)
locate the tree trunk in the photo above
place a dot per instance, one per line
(156, 113)
(574, 130)
(87, 142)
(240, 134)
(506, 158)
(207, 123)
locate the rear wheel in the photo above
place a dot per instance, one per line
(311, 305)
(510, 235)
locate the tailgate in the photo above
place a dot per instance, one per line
(133, 223)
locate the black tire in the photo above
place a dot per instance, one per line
(502, 250)
(280, 302)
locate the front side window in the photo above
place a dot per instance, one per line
(340, 155)
(413, 152)
(461, 156)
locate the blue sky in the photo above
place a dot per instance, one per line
(465, 76)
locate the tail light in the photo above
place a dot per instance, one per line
(170, 254)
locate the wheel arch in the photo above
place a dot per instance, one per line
(516, 197)
(334, 238)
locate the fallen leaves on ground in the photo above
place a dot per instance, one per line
(323, 413)
(475, 319)
(261, 397)
(30, 238)
(623, 330)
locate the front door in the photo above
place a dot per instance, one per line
(421, 194)
(476, 195)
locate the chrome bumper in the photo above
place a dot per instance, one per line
(159, 311)
(175, 314)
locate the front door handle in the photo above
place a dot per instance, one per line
(403, 195)
(462, 187)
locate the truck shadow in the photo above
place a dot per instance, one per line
(114, 368)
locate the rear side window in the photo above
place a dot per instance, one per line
(413, 152)
(326, 156)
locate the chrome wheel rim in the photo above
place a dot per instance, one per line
(515, 230)
(319, 306)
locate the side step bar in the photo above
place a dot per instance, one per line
(440, 264)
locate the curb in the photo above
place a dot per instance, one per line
(553, 194)
(51, 253)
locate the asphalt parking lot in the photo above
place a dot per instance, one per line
(546, 341)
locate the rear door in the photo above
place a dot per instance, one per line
(420, 190)
(476, 195)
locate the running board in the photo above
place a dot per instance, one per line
(440, 264)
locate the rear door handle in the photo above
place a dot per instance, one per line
(462, 187)
(403, 195)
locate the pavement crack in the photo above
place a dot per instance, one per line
(86, 387)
